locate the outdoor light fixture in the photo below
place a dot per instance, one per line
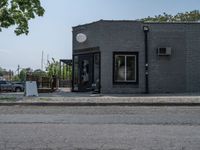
(145, 28)
(81, 38)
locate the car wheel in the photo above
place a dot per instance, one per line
(17, 89)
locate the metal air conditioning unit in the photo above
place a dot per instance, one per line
(164, 51)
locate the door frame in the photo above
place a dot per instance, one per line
(73, 65)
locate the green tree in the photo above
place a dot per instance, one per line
(62, 72)
(1, 71)
(39, 73)
(192, 16)
(22, 75)
(19, 12)
(53, 68)
(66, 72)
(16, 78)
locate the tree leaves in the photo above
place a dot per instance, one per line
(192, 16)
(53, 68)
(19, 12)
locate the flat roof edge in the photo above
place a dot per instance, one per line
(171, 22)
(107, 21)
(137, 21)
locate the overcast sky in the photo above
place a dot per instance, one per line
(53, 32)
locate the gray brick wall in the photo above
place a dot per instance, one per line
(92, 31)
(122, 37)
(193, 57)
(167, 74)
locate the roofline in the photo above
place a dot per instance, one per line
(171, 22)
(134, 21)
(86, 24)
(106, 21)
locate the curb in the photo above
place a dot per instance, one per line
(98, 104)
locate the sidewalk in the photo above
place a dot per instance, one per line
(63, 98)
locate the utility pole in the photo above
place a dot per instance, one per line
(47, 60)
(18, 67)
(42, 61)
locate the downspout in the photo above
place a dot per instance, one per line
(146, 30)
(72, 82)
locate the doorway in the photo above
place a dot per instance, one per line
(86, 72)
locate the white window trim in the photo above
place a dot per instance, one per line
(126, 55)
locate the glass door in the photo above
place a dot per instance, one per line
(85, 66)
(86, 76)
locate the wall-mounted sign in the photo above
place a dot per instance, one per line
(81, 37)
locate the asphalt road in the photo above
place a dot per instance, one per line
(109, 128)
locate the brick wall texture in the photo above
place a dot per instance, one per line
(178, 73)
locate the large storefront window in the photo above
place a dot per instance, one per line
(125, 67)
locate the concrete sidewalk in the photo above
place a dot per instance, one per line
(63, 98)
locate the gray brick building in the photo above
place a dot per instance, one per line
(136, 57)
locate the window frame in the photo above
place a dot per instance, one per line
(125, 54)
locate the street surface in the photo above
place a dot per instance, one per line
(102, 128)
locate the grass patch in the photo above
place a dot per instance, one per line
(44, 99)
(8, 98)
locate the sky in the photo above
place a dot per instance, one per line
(52, 33)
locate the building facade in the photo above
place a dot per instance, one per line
(136, 57)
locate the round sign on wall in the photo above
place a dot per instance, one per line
(81, 37)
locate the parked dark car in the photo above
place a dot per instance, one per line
(12, 87)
